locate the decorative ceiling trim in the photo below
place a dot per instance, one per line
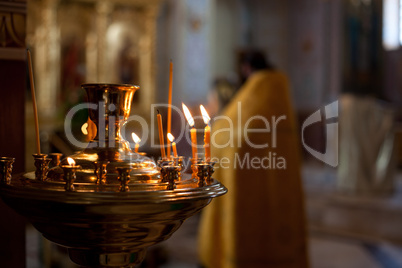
(13, 7)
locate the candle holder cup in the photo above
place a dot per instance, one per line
(101, 171)
(6, 168)
(171, 175)
(194, 168)
(56, 157)
(162, 164)
(202, 173)
(124, 178)
(70, 176)
(179, 161)
(42, 166)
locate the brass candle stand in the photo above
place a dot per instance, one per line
(69, 176)
(124, 178)
(6, 168)
(55, 159)
(204, 171)
(42, 165)
(101, 171)
(113, 204)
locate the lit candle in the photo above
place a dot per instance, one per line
(137, 140)
(169, 119)
(207, 134)
(69, 174)
(161, 141)
(70, 161)
(193, 131)
(171, 139)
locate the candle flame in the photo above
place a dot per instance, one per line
(170, 137)
(187, 113)
(205, 115)
(136, 139)
(70, 161)
(84, 128)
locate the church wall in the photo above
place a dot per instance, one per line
(314, 52)
(315, 47)
(269, 30)
(12, 128)
(256, 23)
(302, 38)
(227, 32)
(184, 32)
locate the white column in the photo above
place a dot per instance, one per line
(47, 59)
(103, 10)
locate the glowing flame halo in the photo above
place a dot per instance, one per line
(70, 161)
(205, 115)
(170, 137)
(136, 139)
(188, 116)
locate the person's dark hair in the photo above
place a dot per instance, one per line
(256, 59)
(252, 60)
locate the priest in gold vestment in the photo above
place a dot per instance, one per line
(260, 222)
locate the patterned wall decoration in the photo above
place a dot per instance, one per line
(12, 30)
(107, 41)
(12, 24)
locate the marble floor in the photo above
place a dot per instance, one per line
(331, 243)
(329, 246)
(325, 251)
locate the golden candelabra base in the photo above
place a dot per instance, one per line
(107, 228)
(111, 204)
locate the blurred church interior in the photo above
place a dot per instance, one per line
(337, 53)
